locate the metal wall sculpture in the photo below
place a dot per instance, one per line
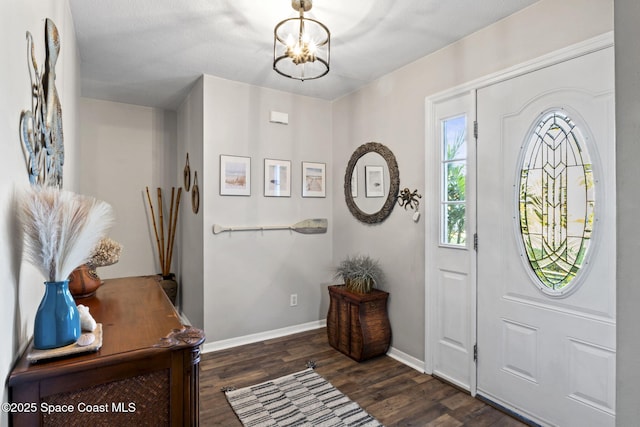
(41, 127)
(406, 198)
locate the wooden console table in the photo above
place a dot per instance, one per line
(358, 324)
(146, 372)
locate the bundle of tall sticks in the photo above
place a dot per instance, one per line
(165, 253)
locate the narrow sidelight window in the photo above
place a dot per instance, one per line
(454, 181)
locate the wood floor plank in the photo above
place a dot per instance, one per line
(394, 393)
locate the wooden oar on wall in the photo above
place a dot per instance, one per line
(307, 226)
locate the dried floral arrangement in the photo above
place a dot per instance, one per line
(106, 252)
(360, 273)
(61, 228)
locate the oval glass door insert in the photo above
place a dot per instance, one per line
(556, 202)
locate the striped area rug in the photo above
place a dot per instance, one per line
(300, 399)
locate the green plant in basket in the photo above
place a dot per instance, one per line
(360, 273)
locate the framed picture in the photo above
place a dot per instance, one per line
(235, 176)
(354, 182)
(277, 178)
(313, 179)
(374, 181)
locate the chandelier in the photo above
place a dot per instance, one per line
(301, 45)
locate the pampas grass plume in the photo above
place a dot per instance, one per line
(61, 228)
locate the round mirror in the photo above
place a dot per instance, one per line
(372, 178)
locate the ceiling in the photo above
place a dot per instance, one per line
(150, 52)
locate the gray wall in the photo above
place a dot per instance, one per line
(249, 276)
(392, 111)
(22, 285)
(124, 149)
(191, 229)
(627, 34)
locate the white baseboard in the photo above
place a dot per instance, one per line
(208, 347)
(406, 359)
(262, 336)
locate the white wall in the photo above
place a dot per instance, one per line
(192, 233)
(21, 285)
(627, 34)
(249, 276)
(391, 111)
(123, 149)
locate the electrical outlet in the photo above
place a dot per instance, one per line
(293, 300)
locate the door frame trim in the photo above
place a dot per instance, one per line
(576, 50)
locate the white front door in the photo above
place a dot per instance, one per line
(546, 247)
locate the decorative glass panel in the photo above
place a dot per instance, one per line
(556, 201)
(454, 180)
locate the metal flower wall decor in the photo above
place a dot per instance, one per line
(41, 127)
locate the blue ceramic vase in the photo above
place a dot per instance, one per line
(57, 320)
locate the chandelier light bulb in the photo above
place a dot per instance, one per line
(313, 48)
(290, 41)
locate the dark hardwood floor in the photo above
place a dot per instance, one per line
(394, 393)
